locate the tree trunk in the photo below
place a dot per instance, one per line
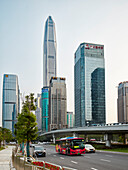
(22, 148)
(28, 152)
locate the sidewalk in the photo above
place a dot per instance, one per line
(5, 158)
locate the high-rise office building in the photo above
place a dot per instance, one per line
(45, 104)
(122, 102)
(10, 101)
(57, 104)
(49, 52)
(38, 112)
(89, 76)
(70, 119)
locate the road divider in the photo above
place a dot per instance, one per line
(94, 169)
(74, 162)
(105, 160)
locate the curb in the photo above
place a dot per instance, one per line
(121, 153)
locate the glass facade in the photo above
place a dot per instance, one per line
(45, 104)
(38, 112)
(49, 52)
(98, 96)
(88, 58)
(57, 104)
(10, 101)
(70, 119)
(122, 102)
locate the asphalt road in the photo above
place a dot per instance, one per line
(88, 161)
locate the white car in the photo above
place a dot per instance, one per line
(40, 143)
(12, 143)
(89, 148)
(39, 151)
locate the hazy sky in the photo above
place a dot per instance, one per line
(76, 21)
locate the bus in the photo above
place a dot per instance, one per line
(70, 146)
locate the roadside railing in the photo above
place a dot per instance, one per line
(20, 162)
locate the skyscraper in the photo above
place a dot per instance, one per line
(10, 101)
(38, 112)
(57, 104)
(122, 102)
(49, 52)
(45, 104)
(70, 119)
(89, 76)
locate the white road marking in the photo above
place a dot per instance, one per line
(69, 168)
(74, 162)
(61, 158)
(94, 169)
(87, 156)
(105, 160)
(109, 156)
(54, 155)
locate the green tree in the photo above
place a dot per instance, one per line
(26, 127)
(5, 135)
(1, 136)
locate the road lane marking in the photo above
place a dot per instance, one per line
(69, 168)
(54, 155)
(74, 162)
(87, 156)
(94, 169)
(105, 160)
(109, 156)
(61, 158)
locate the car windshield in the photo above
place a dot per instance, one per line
(88, 146)
(38, 148)
(78, 143)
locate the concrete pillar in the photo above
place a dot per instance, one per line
(75, 134)
(86, 138)
(125, 136)
(54, 139)
(108, 138)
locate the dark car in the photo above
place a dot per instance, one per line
(39, 151)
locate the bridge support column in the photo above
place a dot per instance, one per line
(86, 138)
(75, 134)
(125, 136)
(108, 138)
(54, 139)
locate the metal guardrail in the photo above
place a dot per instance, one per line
(20, 162)
(25, 163)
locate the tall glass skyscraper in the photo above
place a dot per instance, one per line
(49, 52)
(45, 108)
(57, 104)
(89, 76)
(10, 101)
(38, 112)
(70, 119)
(122, 102)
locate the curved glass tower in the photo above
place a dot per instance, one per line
(49, 51)
(10, 101)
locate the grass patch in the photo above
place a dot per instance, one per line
(2, 148)
(117, 150)
(112, 149)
